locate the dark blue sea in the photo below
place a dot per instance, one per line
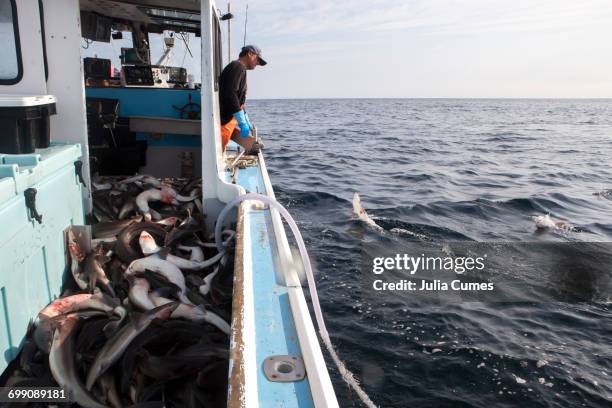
(448, 169)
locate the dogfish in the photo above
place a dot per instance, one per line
(359, 211)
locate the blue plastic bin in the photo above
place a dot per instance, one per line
(32, 254)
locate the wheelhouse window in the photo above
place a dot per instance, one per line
(10, 63)
(217, 62)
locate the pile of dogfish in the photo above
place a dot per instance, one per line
(144, 321)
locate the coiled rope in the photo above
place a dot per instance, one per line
(346, 374)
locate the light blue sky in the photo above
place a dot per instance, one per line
(427, 48)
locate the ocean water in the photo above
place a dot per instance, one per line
(438, 170)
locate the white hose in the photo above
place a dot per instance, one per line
(348, 376)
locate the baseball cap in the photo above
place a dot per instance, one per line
(257, 51)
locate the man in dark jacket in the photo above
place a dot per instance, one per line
(235, 122)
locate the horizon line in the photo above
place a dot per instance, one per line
(439, 97)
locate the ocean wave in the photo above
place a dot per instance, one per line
(435, 170)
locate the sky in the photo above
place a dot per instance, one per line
(424, 48)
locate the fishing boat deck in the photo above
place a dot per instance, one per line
(161, 133)
(267, 327)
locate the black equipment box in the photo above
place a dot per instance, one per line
(102, 116)
(137, 75)
(177, 75)
(97, 68)
(25, 124)
(95, 27)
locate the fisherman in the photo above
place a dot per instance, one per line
(235, 122)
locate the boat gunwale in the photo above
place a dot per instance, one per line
(237, 378)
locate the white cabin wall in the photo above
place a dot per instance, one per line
(33, 80)
(63, 39)
(215, 190)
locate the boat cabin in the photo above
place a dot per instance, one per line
(142, 87)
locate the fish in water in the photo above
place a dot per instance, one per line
(604, 193)
(359, 211)
(545, 222)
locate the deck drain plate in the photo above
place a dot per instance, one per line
(284, 368)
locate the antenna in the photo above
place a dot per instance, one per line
(228, 17)
(229, 36)
(246, 18)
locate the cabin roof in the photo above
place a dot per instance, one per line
(177, 15)
(187, 5)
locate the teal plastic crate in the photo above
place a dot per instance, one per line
(32, 254)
